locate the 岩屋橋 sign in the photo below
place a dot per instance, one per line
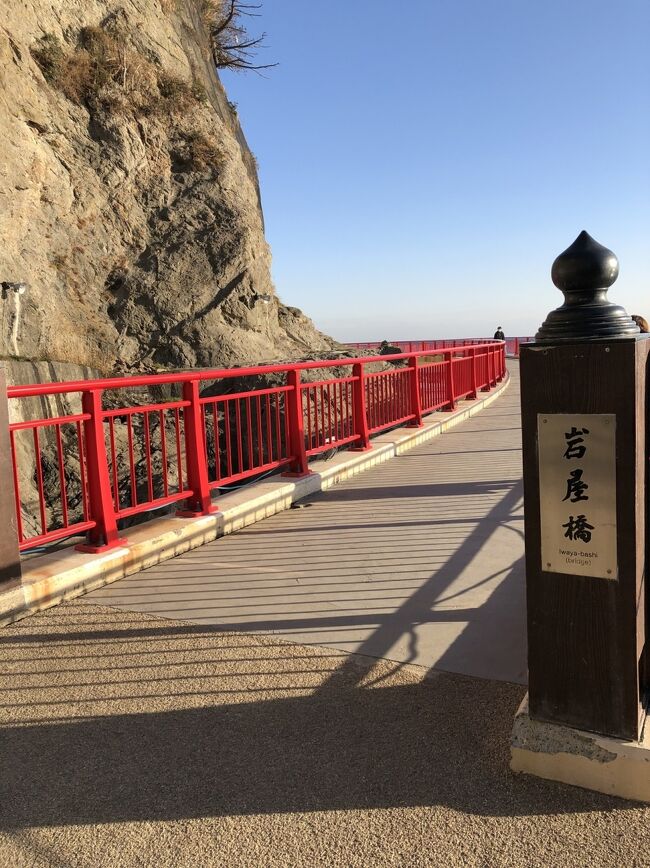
(577, 493)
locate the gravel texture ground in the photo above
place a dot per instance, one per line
(129, 740)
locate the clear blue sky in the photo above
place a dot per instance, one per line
(422, 163)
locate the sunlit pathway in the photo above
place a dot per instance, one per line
(419, 560)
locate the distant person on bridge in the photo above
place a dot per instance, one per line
(642, 323)
(499, 335)
(386, 349)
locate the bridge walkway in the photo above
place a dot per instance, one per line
(129, 739)
(419, 560)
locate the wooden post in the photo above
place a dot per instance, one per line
(583, 389)
(10, 569)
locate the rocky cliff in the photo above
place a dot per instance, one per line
(129, 201)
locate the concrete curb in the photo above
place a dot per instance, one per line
(65, 574)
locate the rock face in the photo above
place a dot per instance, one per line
(129, 201)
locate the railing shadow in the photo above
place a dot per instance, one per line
(288, 746)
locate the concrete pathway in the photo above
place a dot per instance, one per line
(419, 560)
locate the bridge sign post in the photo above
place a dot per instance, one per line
(583, 395)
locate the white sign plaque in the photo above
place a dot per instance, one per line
(577, 493)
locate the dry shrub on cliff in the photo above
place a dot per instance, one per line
(194, 151)
(177, 95)
(50, 56)
(77, 77)
(118, 77)
(199, 152)
(105, 73)
(103, 70)
(205, 152)
(109, 54)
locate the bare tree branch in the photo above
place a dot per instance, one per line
(232, 46)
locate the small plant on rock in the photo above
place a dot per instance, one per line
(204, 151)
(50, 56)
(195, 151)
(176, 94)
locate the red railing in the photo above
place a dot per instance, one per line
(112, 455)
(512, 344)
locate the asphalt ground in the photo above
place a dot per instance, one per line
(131, 740)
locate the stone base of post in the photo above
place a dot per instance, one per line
(584, 759)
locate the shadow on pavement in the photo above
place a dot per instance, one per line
(339, 745)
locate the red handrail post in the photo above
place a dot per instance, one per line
(199, 502)
(485, 383)
(300, 463)
(474, 386)
(100, 496)
(516, 348)
(450, 380)
(414, 383)
(359, 405)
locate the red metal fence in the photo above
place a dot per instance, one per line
(108, 453)
(512, 344)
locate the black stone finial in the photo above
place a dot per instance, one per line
(584, 273)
